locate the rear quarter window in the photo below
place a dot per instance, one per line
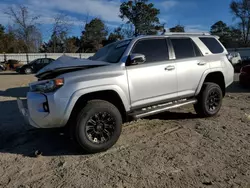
(212, 44)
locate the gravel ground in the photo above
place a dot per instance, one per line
(174, 149)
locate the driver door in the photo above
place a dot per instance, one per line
(155, 80)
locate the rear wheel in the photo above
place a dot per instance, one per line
(27, 70)
(209, 100)
(98, 126)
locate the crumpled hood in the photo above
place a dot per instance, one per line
(67, 61)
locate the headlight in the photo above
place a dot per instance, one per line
(47, 86)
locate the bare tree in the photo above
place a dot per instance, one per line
(60, 30)
(24, 26)
(241, 10)
(85, 21)
(61, 23)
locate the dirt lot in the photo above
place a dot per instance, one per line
(174, 149)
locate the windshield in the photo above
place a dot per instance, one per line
(111, 53)
(33, 61)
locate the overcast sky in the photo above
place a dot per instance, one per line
(195, 15)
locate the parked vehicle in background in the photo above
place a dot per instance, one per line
(239, 66)
(234, 58)
(11, 64)
(2, 67)
(244, 77)
(34, 66)
(127, 80)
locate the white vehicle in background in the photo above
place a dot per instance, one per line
(234, 58)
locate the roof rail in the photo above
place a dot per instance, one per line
(185, 33)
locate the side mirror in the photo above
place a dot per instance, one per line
(136, 59)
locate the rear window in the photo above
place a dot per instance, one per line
(212, 44)
(185, 48)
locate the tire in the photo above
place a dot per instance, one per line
(90, 134)
(27, 71)
(205, 108)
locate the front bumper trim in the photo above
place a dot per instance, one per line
(25, 113)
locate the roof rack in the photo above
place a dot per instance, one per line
(185, 33)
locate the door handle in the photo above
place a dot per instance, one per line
(202, 63)
(169, 68)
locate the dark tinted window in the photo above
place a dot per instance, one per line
(45, 61)
(212, 44)
(185, 48)
(155, 50)
(38, 61)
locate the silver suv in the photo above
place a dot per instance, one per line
(126, 80)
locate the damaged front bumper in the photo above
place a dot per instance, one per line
(24, 111)
(43, 110)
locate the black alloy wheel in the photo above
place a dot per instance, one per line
(209, 100)
(213, 100)
(100, 127)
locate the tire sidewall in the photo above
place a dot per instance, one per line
(81, 135)
(207, 91)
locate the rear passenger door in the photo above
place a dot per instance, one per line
(45, 62)
(190, 65)
(154, 80)
(36, 65)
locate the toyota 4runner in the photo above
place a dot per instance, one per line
(126, 80)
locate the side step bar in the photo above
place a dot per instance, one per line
(161, 108)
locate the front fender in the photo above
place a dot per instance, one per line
(77, 94)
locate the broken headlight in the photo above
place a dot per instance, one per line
(47, 86)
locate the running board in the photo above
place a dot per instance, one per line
(160, 108)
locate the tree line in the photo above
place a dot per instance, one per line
(140, 17)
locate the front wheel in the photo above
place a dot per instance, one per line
(209, 100)
(28, 71)
(98, 126)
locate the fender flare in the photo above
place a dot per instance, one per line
(77, 94)
(207, 72)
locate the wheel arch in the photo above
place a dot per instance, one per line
(111, 95)
(214, 77)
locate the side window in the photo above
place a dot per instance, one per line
(155, 50)
(212, 44)
(38, 61)
(45, 61)
(185, 48)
